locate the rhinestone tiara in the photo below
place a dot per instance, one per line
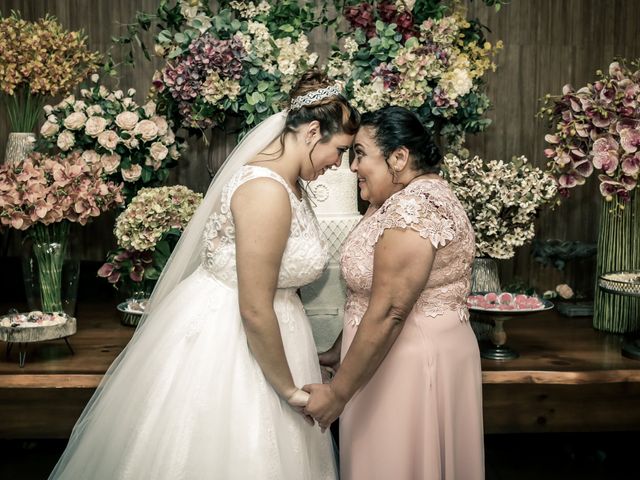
(313, 97)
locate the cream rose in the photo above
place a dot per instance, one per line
(173, 152)
(66, 140)
(161, 123)
(565, 291)
(110, 163)
(95, 126)
(75, 121)
(49, 129)
(79, 106)
(147, 129)
(94, 110)
(91, 156)
(132, 143)
(158, 151)
(149, 108)
(150, 162)
(108, 139)
(127, 120)
(132, 174)
(169, 138)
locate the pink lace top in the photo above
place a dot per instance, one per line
(429, 207)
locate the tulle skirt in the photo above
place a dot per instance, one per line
(187, 400)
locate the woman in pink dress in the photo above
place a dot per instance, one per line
(409, 387)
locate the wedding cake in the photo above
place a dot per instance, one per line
(334, 197)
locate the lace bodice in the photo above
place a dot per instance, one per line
(305, 256)
(430, 208)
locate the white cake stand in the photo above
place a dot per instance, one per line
(498, 349)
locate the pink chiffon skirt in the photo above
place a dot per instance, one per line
(420, 415)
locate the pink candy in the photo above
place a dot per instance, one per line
(504, 302)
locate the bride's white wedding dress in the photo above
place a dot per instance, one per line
(190, 401)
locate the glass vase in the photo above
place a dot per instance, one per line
(618, 249)
(19, 145)
(50, 268)
(485, 276)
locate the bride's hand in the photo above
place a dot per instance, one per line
(298, 401)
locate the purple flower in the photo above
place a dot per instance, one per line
(630, 139)
(631, 164)
(605, 154)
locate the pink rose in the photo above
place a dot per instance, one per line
(110, 163)
(158, 151)
(95, 126)
(90, 156)
(127, 120)
(161, 123)
(49, 129)
(147, 129)
(75, 121)
(565, 291)
(132, 174)
(108, 139)
(66, 140)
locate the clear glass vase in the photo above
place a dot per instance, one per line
(50, 268)
(485, 276)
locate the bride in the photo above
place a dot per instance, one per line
(208, 387)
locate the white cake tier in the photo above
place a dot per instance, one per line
(335, 229)
(335, 192)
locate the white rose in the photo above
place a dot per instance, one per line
(66, 140)
(149, 108)
(127, 120)
(69, 101)
(108, 139)
(132, 174)
(147, 129)
(118, 94)
(132, 143)
(169, 138)
(49, 128)
(75, 121)
(131, 92)
(95, 126)
(104, 93)
(48, 109)
(173, 152)
(91, 156)
(150, 162)
(52, 119)
(161, 123)
(110, 163)
(79, 106)
(95, 77)
(85, 93)
(94, 110)
(158, 151)
(127, 102)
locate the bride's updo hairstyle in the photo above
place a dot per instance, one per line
(394, 127)
(316, 97)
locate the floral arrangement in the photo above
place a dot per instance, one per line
(238, 61)
(597, 127)
(39, 59)
(131, 143)
(146, 232)
(501, 200)
(44, 190)
(44, 195)
(430, 60)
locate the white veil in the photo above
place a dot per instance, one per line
(186, 256)
(121, 375)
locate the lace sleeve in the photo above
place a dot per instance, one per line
(418, 211)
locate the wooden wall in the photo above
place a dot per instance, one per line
(547, 43)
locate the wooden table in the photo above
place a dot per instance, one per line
(568, 378)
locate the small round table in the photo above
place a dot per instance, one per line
(498, 349)
(624, 283)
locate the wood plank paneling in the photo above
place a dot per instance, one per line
(547, 43)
